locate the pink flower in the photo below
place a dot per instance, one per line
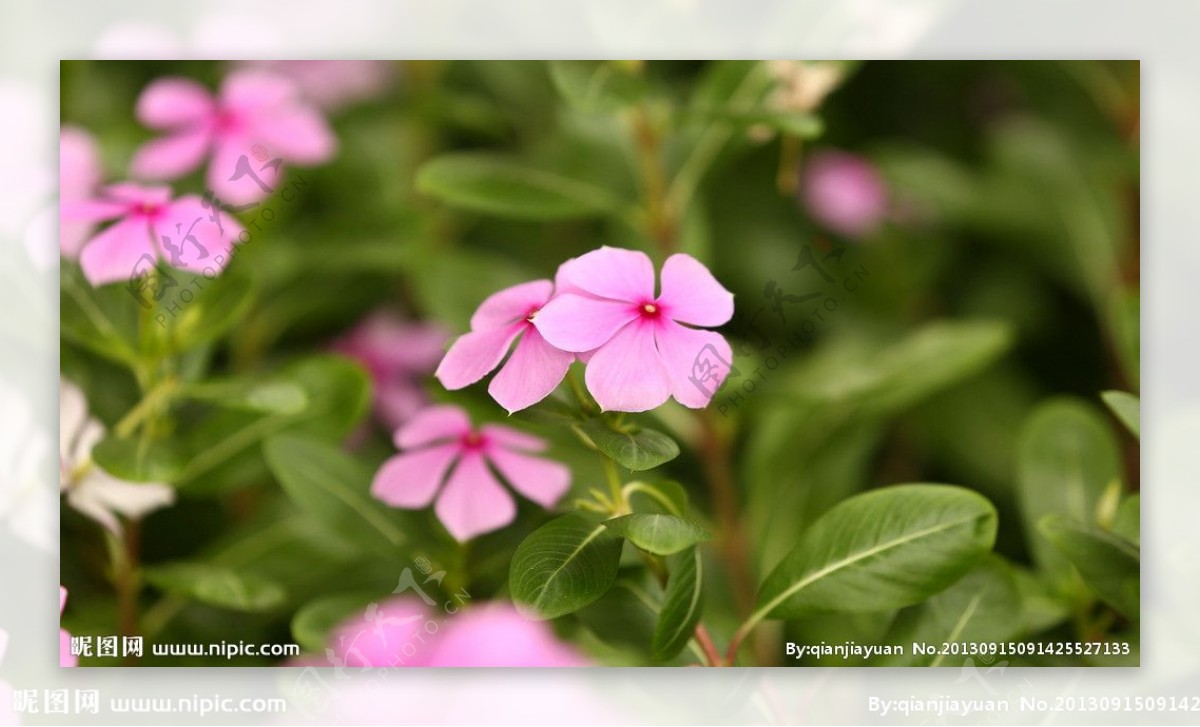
(645, 350)
(405, 632)
(396, 354)
(534, 369)
(184, 232)
(256, 114)
(334, 84)
(65, 657)
(79, 174)
(844, 193)
(442, 446)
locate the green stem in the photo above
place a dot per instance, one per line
(615, 486)
(150, 405)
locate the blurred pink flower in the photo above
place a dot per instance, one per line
(185, 232)
(442, 446)
(65, 658)
(79, 174)
(404, 632)
(396, 354)
(844, 193)
(642, 354)
(256, 114)
(334, 84)
(534, 369)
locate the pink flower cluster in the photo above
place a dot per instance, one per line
(246, 132)
(405, 632)
(641, 347)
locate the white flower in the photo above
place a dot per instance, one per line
(91, 490)
(27, 503)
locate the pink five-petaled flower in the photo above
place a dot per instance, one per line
(643, 352)
(440, 440)
(257, 117)
(535, 367)
(150, 226)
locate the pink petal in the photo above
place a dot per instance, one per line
(575, 323)
(62, 599)
(473, 502)
(691, 294)
(507, 437)
(254, 89)
(533, 371)
(295, 133)
(113, 254)
(236, 177)
(627, 374)
(78, 164)
(171, 156)
(384, 635)
(615, 273)
(541, 480)
(133, 195)
(410, 480)
(562, 284)
(473, 355)
(433, 424)
(65, 658)
(498, 635)
(210, 241)
(397, 401)
(511, 304)
(172, 102)
(90, 210)
(697, 362)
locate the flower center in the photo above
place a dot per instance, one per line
(147, 209)
(531, 315)
(649, 310)
(226, 120)
(472, 440)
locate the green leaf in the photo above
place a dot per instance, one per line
(1042, 607)
(592, 86)
(509, 188)
(978, 608)
(268, 396)
(202, 309)
(1110, 566)
(563, 566)
(682, 605)
(135, 460)
(1128, 522)
(1066, 459)
(658, 534)
(804, 126)
(884, 549)
(216, 586)
(104, 320)
(313, 622)
(1127, 408)
(638, 449)
(334, 488)
(667, 497)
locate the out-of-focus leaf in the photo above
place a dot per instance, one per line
(216, 586)
(1127, 408)
(1067, 458)
(270, 396)
(1128, 522)
(563, 566)
(1041, 606)
(637, 449)
(313, 622)
(135, 460)
(509, 188)
(593, 86)
(1110, 566)
(978, 608)
(334, 488)
(682, 605)
(103, 320)
(884, 549)
(202, 309)
(658, 534)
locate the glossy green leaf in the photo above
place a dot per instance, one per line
(656, 533)
(636, 450)
(563, 566)
(313, 622)
(137, 460)
(1127, 408)
(509, 188)
(334, 487)
(884, 549)
(666, 497)
(216, 586)
(682, 605)
(979, 608)
(1066, 460)
(1110, 566)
